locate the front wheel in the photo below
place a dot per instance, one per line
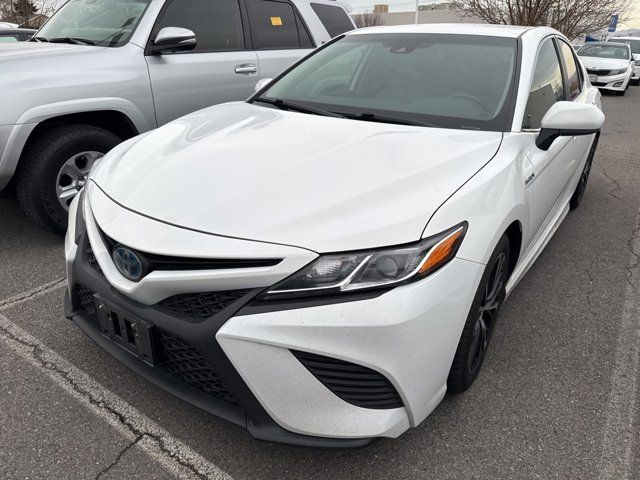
(481, 321)
(55, 167)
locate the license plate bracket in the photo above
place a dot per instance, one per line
(125, 329)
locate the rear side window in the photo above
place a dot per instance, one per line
(216, 23)
(334, 19)
(275, 25)
(573, 76)
(547, 86)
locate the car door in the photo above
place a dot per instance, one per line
(279, 35)
(553, 168)
(221, 68)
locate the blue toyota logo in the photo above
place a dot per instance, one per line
(127, 263)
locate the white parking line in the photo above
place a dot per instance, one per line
(33, 293)
(176, 457)
(619, 434)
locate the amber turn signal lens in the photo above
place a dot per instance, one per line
(441, 253)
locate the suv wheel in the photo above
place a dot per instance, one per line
(55, 167)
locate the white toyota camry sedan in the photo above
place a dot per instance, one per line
(322, 262)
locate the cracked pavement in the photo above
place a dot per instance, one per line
(557, 397)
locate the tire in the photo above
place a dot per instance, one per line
(481, 321)
(40, 172)
(636, 82)
(578, 193)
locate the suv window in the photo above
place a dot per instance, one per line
(573, 77)
(547, 86)
(276, 24)
(216, 23)
(334, 19)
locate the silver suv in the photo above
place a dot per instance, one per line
(101, 71)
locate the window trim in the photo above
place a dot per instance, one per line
(565, 73)
(297, 17)
(244, 21)
(542, 41)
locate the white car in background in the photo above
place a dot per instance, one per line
(322, 262)
(609, 65)
(634, 44)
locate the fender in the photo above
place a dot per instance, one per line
(30, 119)
(490, 201)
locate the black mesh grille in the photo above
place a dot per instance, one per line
(91, 259)
(183, 361)
(602, 73)
(84, 297)
(202, 305)
(353, 383)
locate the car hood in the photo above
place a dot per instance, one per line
(598, 63)
(29, 50)
(322, 183)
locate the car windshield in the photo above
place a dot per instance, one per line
(604, 51)
(634, 44)
(449, 81)
(107, 23)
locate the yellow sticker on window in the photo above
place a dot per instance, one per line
(276, 21)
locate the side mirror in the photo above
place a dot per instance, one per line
(173, 39)
(263, 82)
(569, 119)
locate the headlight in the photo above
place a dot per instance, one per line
(385, 267)
(637, 63)
(618, 72)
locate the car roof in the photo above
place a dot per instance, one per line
(510, 31)
(623, 38)
(609, 43)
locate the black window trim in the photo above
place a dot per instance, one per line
(244, 20)
(535, 62)
(565, 73)
(297, 17)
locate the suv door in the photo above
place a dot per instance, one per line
(219, 69)
(279, 35)
(553, 80)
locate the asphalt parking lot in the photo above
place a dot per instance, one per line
(557, 397)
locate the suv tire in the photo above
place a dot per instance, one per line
(41, 165)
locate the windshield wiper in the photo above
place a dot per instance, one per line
(373, 117)
(72, 40)
(287, 105)
(37, 39)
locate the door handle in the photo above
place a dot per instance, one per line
(246, 69)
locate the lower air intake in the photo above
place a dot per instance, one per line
(355, 384)
(183, 361)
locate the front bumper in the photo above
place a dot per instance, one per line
(407, 335)
(616, 83)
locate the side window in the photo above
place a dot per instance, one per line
(334, 19)
(573, 76)
(547, 86)
(216, 23)
(275, 24)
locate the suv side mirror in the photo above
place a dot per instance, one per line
(569, 119)
(263, 82)
(174, 39)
